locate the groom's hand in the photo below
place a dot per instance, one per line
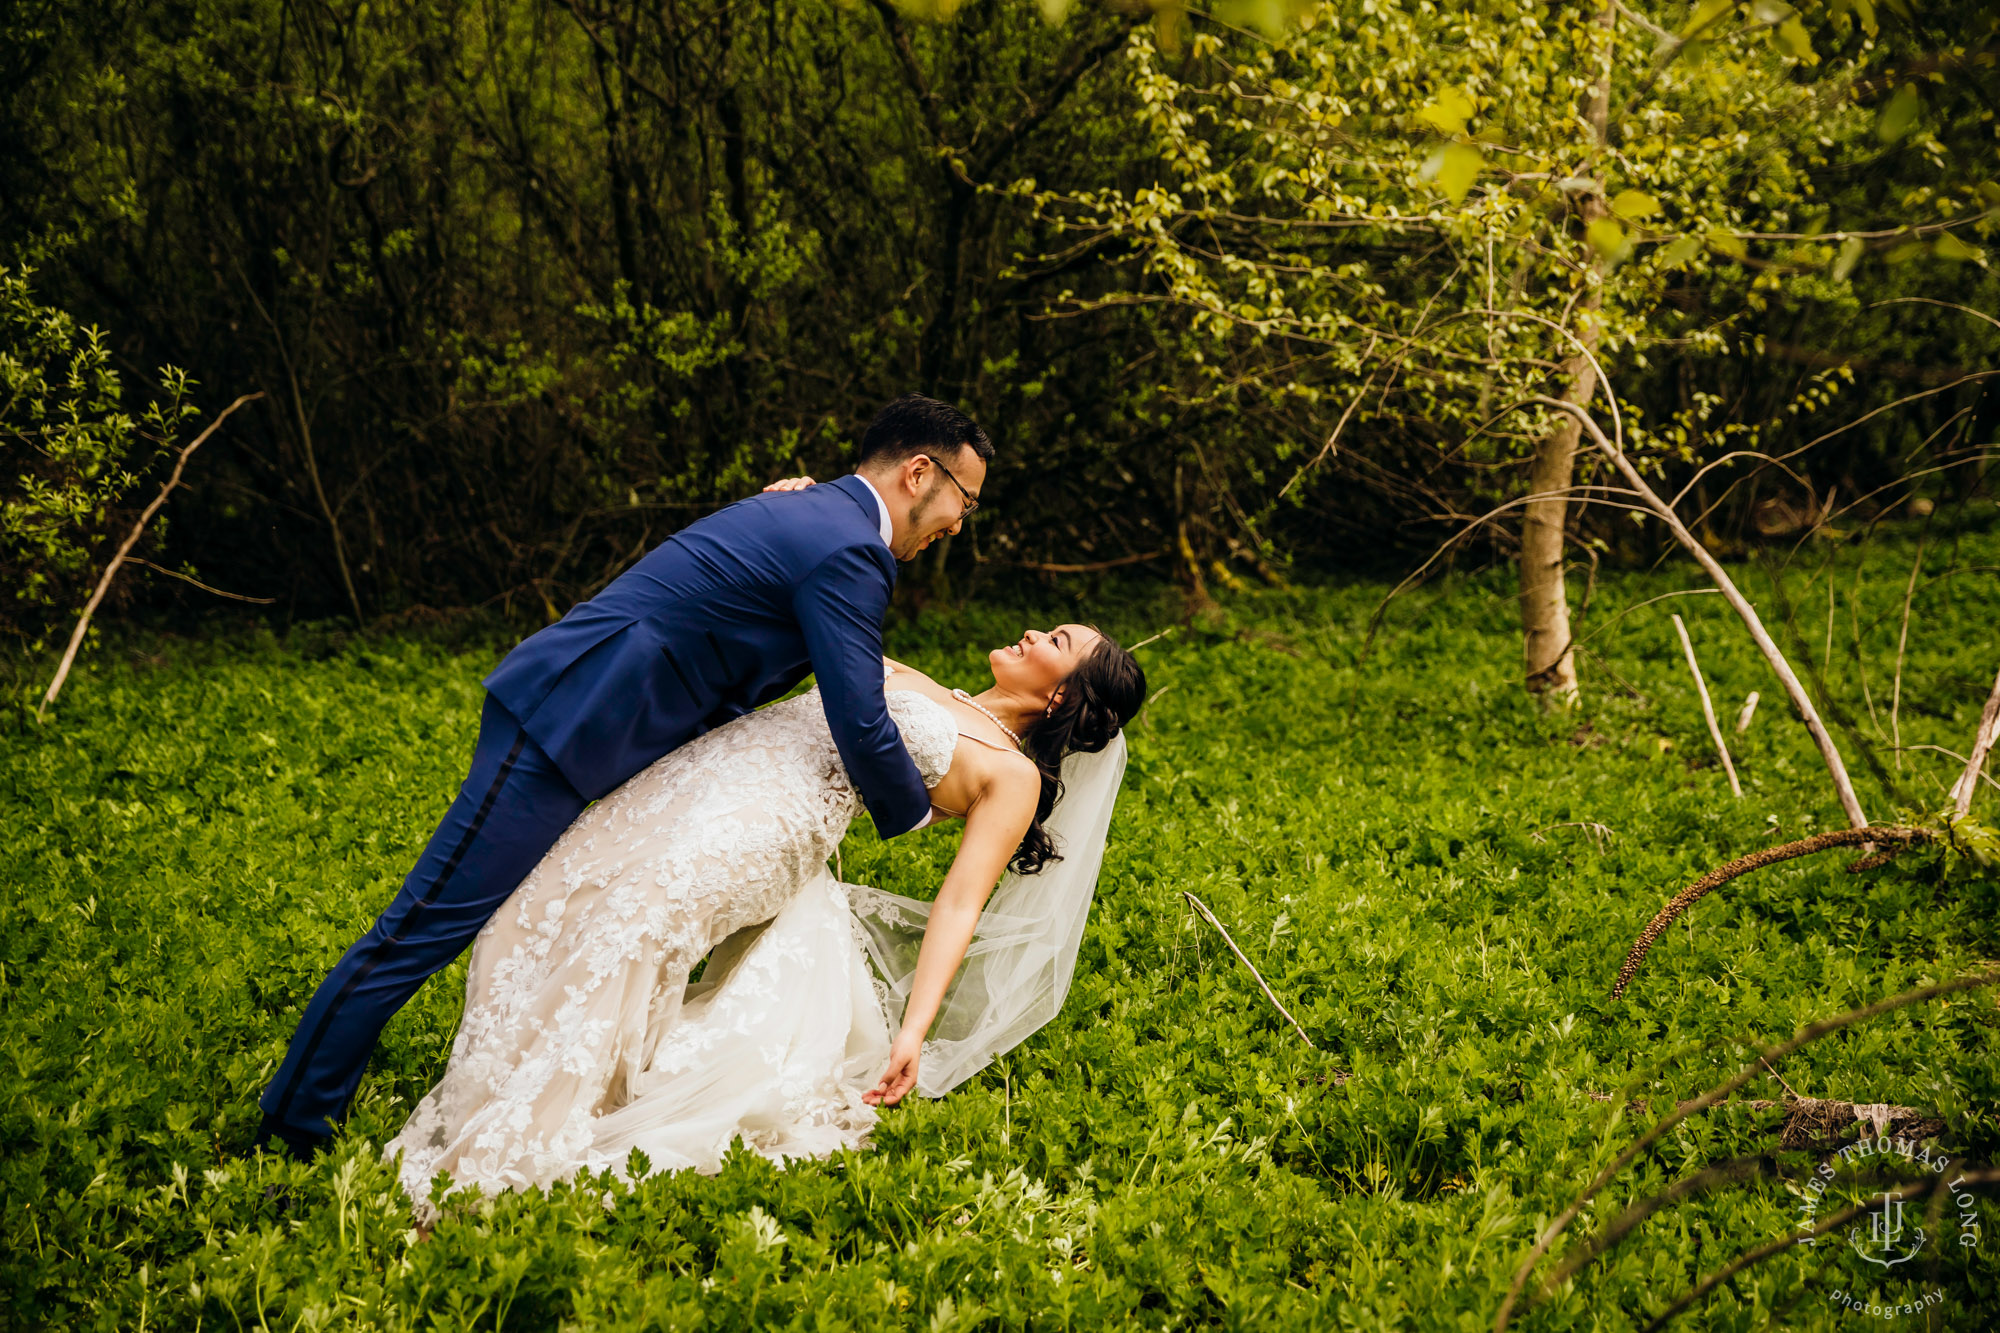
(790, 484)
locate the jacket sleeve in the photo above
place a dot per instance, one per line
(839, 607)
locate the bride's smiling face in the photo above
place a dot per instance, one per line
(1042, 659)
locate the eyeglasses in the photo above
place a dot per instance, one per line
(970, 502)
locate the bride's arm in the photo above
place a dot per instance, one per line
(994, 826)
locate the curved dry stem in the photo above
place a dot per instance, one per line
(1780, 460)
(1579, 493)
(1948, 305)
(1735, 1169)
(1757, 860)
(1825, 1225)
(1639, 606)
(124, 554)
(1550, 1234)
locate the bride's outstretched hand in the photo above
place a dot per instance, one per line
(790, 484)
(901, 1075)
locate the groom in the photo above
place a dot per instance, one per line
(729, 613)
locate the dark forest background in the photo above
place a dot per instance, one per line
(528, 284)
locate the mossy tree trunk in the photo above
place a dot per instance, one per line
(1548, 648)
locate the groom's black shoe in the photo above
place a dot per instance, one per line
(300, 1145)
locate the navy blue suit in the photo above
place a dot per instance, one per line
(729, 613)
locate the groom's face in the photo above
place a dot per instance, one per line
(936, 508)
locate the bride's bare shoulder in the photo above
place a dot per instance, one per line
(904, 677)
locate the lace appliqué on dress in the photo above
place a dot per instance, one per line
(582, 1039)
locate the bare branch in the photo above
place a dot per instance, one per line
(189, 578)
(1982, 741)
(1843, 786)
(1554, 1230)
(1820, 1228)
(1948, 305)
(1743, 865)
(1902, 642)
(1707, 708)
(124, 550)
(1091, 568)
(1262, 985)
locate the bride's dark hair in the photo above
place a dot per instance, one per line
(1098, 699)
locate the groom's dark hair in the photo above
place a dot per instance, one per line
(914, 424)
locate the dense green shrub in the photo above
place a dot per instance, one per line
(70, 452)
(1394, 839)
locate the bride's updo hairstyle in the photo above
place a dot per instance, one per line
(1098, 699)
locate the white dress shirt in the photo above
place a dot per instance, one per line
(881, 512)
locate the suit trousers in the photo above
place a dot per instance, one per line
(513, 806)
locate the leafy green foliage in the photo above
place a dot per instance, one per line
(526, 285)
(69, 452)
(1399, 220)
(1399, 841)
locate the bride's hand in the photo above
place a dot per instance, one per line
(901, 1075)
(790, 484)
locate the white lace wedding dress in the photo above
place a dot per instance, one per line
(582, 1039)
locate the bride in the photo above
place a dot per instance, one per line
(582, 1039)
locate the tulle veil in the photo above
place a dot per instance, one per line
(1018, 967)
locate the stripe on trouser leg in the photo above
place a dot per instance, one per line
(402, 929)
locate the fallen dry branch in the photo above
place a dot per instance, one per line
(1811, 1123)
(1982, 741)
(1262, 985)
(1900, 838)
(1818, 1124)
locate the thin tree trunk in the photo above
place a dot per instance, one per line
(1837, 770)
(1982, 741)
(1548, 652)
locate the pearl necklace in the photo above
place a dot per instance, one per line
(963, 697)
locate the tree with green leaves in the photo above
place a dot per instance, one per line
(71, 452)
(1401, 221)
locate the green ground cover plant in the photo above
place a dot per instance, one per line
(1401, 841)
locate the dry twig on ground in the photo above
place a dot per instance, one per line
(1707, 708)
(1262, 984)
(1748, 712)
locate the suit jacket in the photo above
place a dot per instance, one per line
(726, 614)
